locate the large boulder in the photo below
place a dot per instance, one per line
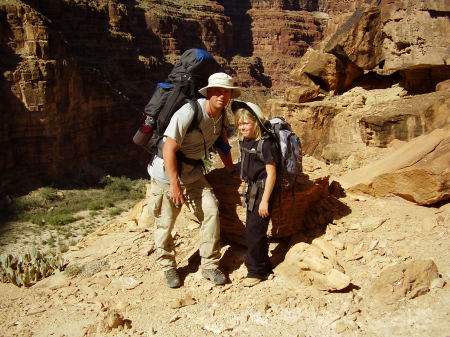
(309, 205)
(301, 93)
(414, 33)
(400, 282)
(359, 40)
(418, 171)
(323, 69)
(313, 264)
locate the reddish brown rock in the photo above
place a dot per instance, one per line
(301, 93)
(327, 69)
(359, 40)
(311, 121)
(310, 206)
(405, 119)
(76, 75)
(406, 36)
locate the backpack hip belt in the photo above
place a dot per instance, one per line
(182, 159)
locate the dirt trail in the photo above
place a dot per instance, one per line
(121, 292)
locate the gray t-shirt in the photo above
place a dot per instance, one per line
(193, 143)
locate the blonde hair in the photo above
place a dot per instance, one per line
(239, 115)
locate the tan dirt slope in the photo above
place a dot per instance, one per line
(121, 292)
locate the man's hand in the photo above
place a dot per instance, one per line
(170, 149)
(176, 193)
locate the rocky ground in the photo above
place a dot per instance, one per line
(119, 290)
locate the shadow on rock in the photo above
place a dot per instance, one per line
(301, 214)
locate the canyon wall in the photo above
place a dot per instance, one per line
(76, 74)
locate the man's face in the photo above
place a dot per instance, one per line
(219, 97)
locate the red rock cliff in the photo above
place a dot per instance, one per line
(75, 75)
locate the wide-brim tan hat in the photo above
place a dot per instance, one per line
(254, 109)
(221, 80)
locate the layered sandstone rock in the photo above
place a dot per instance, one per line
(311, 121)
(418, 171)
(405, 119)
(406, 36)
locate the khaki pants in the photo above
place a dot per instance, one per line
(202, 200)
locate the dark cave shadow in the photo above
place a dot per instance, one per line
(242, 24)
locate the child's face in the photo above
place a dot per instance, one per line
(247, 127)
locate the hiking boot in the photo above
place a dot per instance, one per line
(214, 275)
(251, 281)
(172, 278)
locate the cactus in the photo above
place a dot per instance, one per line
(25, 270)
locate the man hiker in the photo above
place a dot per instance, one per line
(178, 177)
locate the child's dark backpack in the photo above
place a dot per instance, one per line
(186, 78)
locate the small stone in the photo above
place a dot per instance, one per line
(372, 223)
(354, 226)
(397, 237)
(182, 302)
(338, 244)
(148, 250)
(437, 283)
(373, 245)
(126, 283)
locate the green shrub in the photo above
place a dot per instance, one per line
(17, 207)
(115, 211)
(53, 219)
(48, 193)
(73, 270)
(122, 188)
(117, 184)
(96, 205)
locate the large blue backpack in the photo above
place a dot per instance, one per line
(289, 150)
(189, 75)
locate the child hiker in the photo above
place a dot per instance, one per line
(260, 173)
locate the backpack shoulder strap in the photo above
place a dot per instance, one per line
(198, 114)
(259, 148)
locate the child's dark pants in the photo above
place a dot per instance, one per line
(257, 259)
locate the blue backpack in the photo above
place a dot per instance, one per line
(189, 75)
(290, 150)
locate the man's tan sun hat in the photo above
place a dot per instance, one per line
(221, 80)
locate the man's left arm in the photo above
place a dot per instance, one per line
(225, 153)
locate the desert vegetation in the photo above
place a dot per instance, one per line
(54, 218)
